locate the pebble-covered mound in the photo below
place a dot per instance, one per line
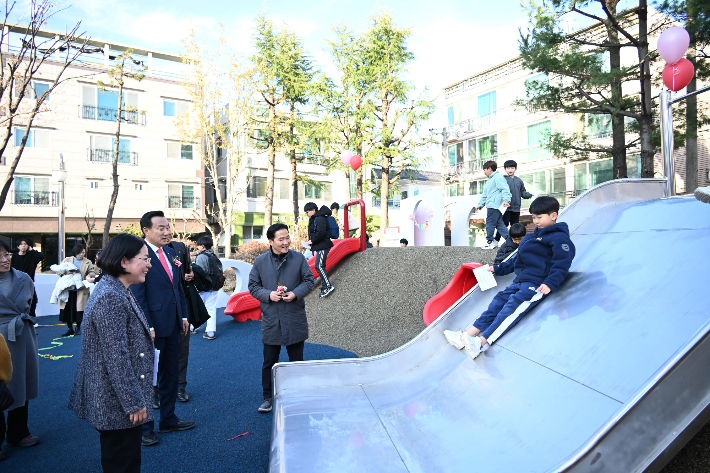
(380, 294)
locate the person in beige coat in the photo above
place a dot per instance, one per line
(72, 311)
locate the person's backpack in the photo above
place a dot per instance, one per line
(333, 230)
(216, 272)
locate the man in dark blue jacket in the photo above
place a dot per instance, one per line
(162, 299)
(319, 241)
(541, 264)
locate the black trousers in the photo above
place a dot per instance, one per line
(321, 257)
(271, 357)
(121, 450)
(16, 427)
(509, 218)
(33, 307)
(182, 362)
(167, 379)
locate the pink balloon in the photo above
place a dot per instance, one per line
(356, 162)
(677, 76)
(673, 43)
(345, 156)
(411, 217)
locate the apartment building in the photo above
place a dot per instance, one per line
(156, 171)
(483, 124)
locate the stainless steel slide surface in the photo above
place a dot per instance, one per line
(607, 374)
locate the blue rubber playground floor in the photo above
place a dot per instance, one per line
(224, 384)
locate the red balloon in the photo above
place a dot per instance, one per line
(679, 74)
(356, 162)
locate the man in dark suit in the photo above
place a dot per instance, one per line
(162, 300)
(183, 253)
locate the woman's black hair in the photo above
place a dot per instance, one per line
(119, 247)
(5, 246)
(78, 249)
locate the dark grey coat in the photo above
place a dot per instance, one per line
(17, 327)
(282, 323)
(114, 377)
(517, 190)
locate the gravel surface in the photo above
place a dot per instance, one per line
(380, 294)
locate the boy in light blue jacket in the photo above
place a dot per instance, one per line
(495, 193)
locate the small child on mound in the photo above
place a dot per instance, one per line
(516, 233)
(541, 264)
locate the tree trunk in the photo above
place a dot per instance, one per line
(618, 149)
(114, 195)
(269, 205)
(347, 186)
(294, 164)
(384, 195)
(358, 175)
(229, 201)
(691, 138)
(645, 119)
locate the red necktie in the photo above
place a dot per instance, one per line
(161, 257)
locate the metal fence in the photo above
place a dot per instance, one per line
(38, 199)
(106, 156)
(89, 112)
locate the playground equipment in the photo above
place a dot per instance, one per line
(242, 306)
(462, 282)
(606, 374)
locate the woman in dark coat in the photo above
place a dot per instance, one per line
(17, 327)
(113, 385)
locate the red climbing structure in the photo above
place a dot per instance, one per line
(460, 284)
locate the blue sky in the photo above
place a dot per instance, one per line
(451, 39)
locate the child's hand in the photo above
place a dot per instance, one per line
(492, 269)
(544, 289)
(506, 204)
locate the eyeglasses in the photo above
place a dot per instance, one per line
(6, 256)
(146, 259)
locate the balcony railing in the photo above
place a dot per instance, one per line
(35, 199)
(106, 156)
(177, 202)
(528, 155)
(89, 112)
(391, 203)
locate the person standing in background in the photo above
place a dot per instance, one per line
(517, 192)
(206, 262)
(183, 253)
(319, 241)
(17, 327)
(26, 260)
(72, 311)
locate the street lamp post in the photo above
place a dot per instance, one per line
(60, 176)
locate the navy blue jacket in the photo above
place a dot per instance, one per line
(544, 257)
(508, 247)
(163, 302)
(318, 230)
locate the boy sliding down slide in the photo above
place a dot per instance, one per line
(541, 264)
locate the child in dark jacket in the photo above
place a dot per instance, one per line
(516, 234)
(319, 241)
(541, 264)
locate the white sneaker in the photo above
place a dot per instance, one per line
(703, 194)
(454, 338)
(472, 345)
(490, 245)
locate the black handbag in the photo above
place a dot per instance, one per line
(6, 399)
(196, 311)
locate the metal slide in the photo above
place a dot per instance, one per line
(608, 374)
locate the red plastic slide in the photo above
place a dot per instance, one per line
(460, 284)
(340, 249)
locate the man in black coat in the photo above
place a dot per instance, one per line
(320, 242)
(183, 253)
(280, 279)
(26, 260)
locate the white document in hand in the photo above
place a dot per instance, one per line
(305, 244)
(485, 278)
(155, 367)
(502, 209)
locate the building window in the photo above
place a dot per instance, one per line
(535, 84)
(179, 151)
(456, 190)
(36, 89)
(450, 115)
(588, 175)
(476, 187)
(538, 136)
(102, 147)
(416, 191)
(323, 191)
(36, 138)
(257, 187)
(487, 104)
(32, 190)
(598, 125)
(182, 196)
(173, 108)
(93, 184)
(282, 189)
(255, 232)
(103, 105)
(404, 195)
(487, 147)
(452, 155)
